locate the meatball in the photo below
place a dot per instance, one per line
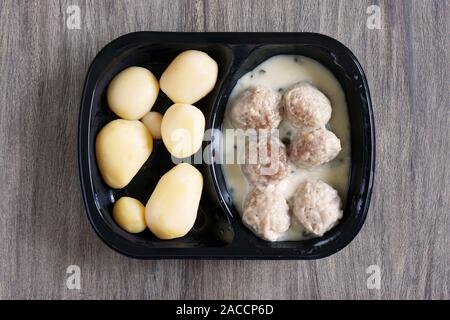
(256, 108)
(316, 206)
(268, 163)
(305, 106)
(313, 148)
(266, 212)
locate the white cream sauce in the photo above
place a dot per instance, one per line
(279, 73)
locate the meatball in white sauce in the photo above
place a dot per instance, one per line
(313, 148)
(268, 164)
(266, 212)
(306, 106)
(317, 206)
(256, 108)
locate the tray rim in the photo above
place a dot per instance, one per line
(84, 163)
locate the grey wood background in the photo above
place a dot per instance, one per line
(43, 228)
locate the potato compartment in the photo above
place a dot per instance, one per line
(212, 228)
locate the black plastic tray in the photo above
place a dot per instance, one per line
(218, 232)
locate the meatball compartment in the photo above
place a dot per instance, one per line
(301, 198)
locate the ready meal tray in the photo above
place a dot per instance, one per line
(218, 232)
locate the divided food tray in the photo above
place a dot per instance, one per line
(218, 232)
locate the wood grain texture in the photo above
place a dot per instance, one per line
(43, 228)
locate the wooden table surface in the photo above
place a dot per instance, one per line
(43, 227)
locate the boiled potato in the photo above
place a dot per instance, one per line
(190, 77)
(129, 214)
(122, 147)
(182, 130)
(172, 208)
(152, 121)
(132, 93)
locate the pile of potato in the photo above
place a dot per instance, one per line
(125, 144)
